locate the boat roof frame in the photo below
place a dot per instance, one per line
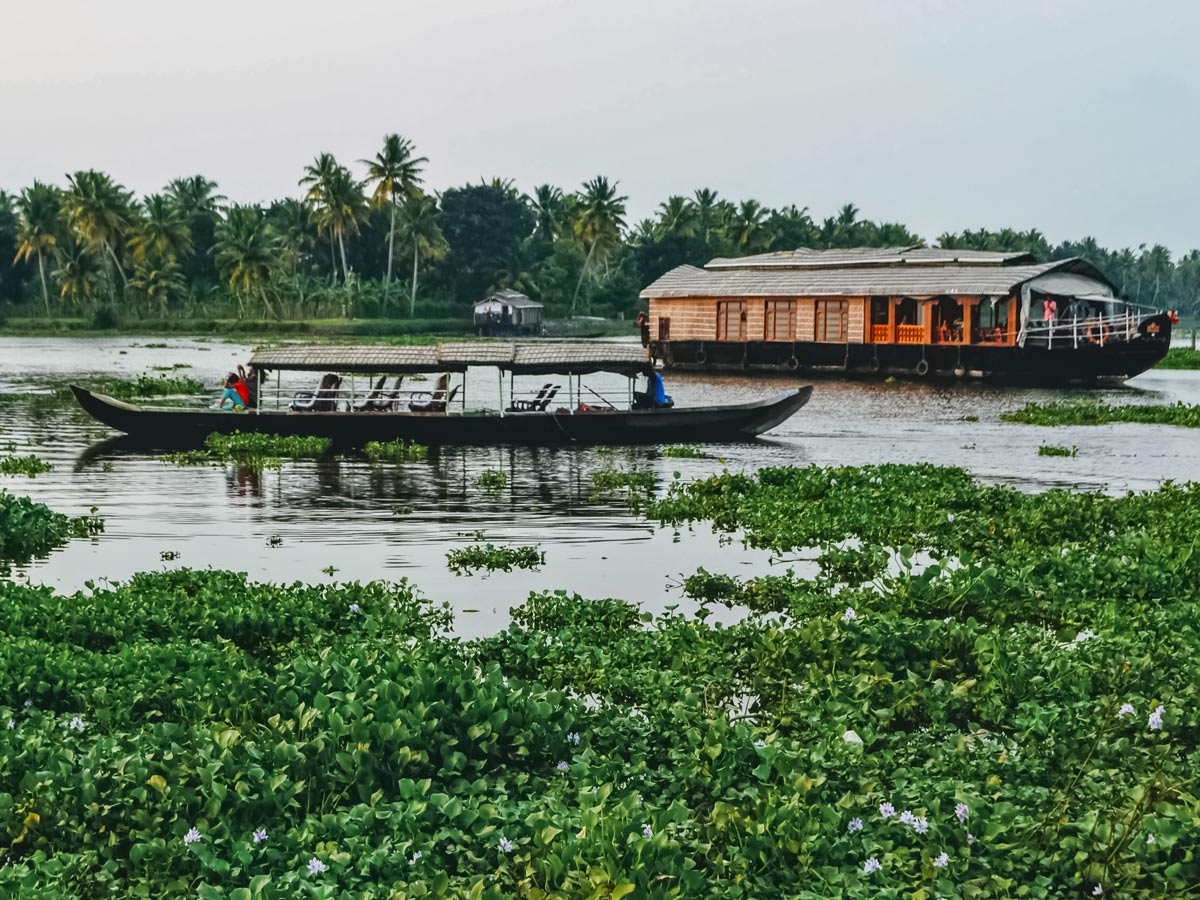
(541, 358)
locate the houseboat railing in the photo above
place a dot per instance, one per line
(1093, 330)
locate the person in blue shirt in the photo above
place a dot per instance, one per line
(655, 396)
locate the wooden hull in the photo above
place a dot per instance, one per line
(1060, 362)
(160, 427)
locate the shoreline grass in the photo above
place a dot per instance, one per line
(1097, 412)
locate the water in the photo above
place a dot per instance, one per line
(290, 524)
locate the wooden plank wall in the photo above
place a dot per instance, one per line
(695, 319)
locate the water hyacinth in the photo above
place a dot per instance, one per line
(505, 844)
(1149, 839)
(849, 615)
(855, 825)
(871, 865)
(942, 860)
(760, 743)
(647, 831)
(76, 724)
(28, 704)
(573, 738)
(1097, 890)
(192, 836)
(259, 836)
(961, 811)
(920, 825)
(11, 724)
(1155, 720)
(907, 818)
(316, 867)
(1125, 710)
(887, 810)
(355, 608)
(562, 766)
(417, 854)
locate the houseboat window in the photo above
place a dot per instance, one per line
(664, 328)
(879, 310)
(731, 320)
(909, 312)
(831, 319)
(780, 319)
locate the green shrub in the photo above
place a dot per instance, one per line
(256, 449)
(462, 560)
(1096, 412)
(29, 529)
(1051, 450)
(491, 480)
(23, 465)
(395, 451)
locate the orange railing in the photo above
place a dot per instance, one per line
(910, 334)
(881, 334)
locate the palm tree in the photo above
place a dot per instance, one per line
(37, 231)
(315, 178)
(745, 228)
(337, 202)
(75, 271)
(158, 279)
(598, 223)
(678, 217)
(289, 220)
(515, 270)
(163, 232)
(420, 232)
(707, 203)
(547, 205)
(195, 196)
(98, 211)
(246, 250)
(396, 173)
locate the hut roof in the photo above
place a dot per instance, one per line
(510, 298)
(564, 359)
(851, 257)
(858, 281)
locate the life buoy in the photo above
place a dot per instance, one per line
(792, 363)
(701, 357)
(923, 367)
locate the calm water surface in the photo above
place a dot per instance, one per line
(290, 524)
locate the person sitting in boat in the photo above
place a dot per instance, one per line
(251, 376)
(655, 396)
(231, 394)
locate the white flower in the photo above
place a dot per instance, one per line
(1125, 710)
(505, 844)
(871, 865)
(760, 743)
(562, 766)
(647, 831)
(11, 724)
(946, 620)
(1149, 839)
(192, 836)
(851, 737)
(943, 860)
(949, 517)
(260, 835)
(316, 867)
(354, 608)
(1086, 635)
(855, 825)
(887, 810)
(76, 724)
(573, 738)
(907, 818)
(1155, 720)
(920, 825)
(417, 854)
(1097, 890)
(961, 810)
(850, 615)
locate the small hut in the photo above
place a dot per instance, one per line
(508, 313)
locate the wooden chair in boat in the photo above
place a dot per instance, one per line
(369, 402)
(437, 402)
(532, 405)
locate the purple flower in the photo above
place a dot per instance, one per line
(355, 608)
(573, 738)
(920, 825)
(28, 703)
(647, 831)
(1125, 710)
(1155, 721)
(850, 615)
(907, 818)
(505, 844)
(887, 810)
(942, 860)
(192, 836)
(1097, 890)
(260, 835)
(77, 724)
(1149, 839)
(871, 865)
(562, 766)
(11, 724)
(316, 867)
(855, 825)
(760, 743)
(962, 811)
(970, 839)
(417, 854)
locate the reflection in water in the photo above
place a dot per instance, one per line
(341, 511)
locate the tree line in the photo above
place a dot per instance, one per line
(375, 243)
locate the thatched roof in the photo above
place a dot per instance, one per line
(514, 299)
(542, 357)
(903, 280)
(853, 257)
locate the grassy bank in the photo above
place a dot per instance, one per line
(1180, 358)
(1097, 412)
(32, 326)
(1018, 718)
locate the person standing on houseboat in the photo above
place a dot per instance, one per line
(1049, 309)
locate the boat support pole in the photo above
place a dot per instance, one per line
(500, 377)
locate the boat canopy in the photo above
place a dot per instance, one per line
(517, 358)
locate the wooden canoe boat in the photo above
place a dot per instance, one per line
(168, 427)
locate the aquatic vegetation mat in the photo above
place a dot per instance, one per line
(251, 449)
(30, 465)
(395, 451)
(1052, 450)
(1096, 412)
(978, 693)
(1180, 358)
(489, 557)
(29, 529)
(145, 386)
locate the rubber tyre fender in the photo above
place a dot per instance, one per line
(792, 363)
(923, 367)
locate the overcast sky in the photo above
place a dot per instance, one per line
(1073, 117)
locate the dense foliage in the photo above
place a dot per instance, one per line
(29, 529)
(150, 386)
(473, 557)
(1180, 358)
(30, 465)
(376, 244)
(978, 693)
(395, 451)
(1097, 412)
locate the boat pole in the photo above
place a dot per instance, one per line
(500, 377)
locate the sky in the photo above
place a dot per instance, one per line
(1077, 118)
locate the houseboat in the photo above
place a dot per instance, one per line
(915, 311)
